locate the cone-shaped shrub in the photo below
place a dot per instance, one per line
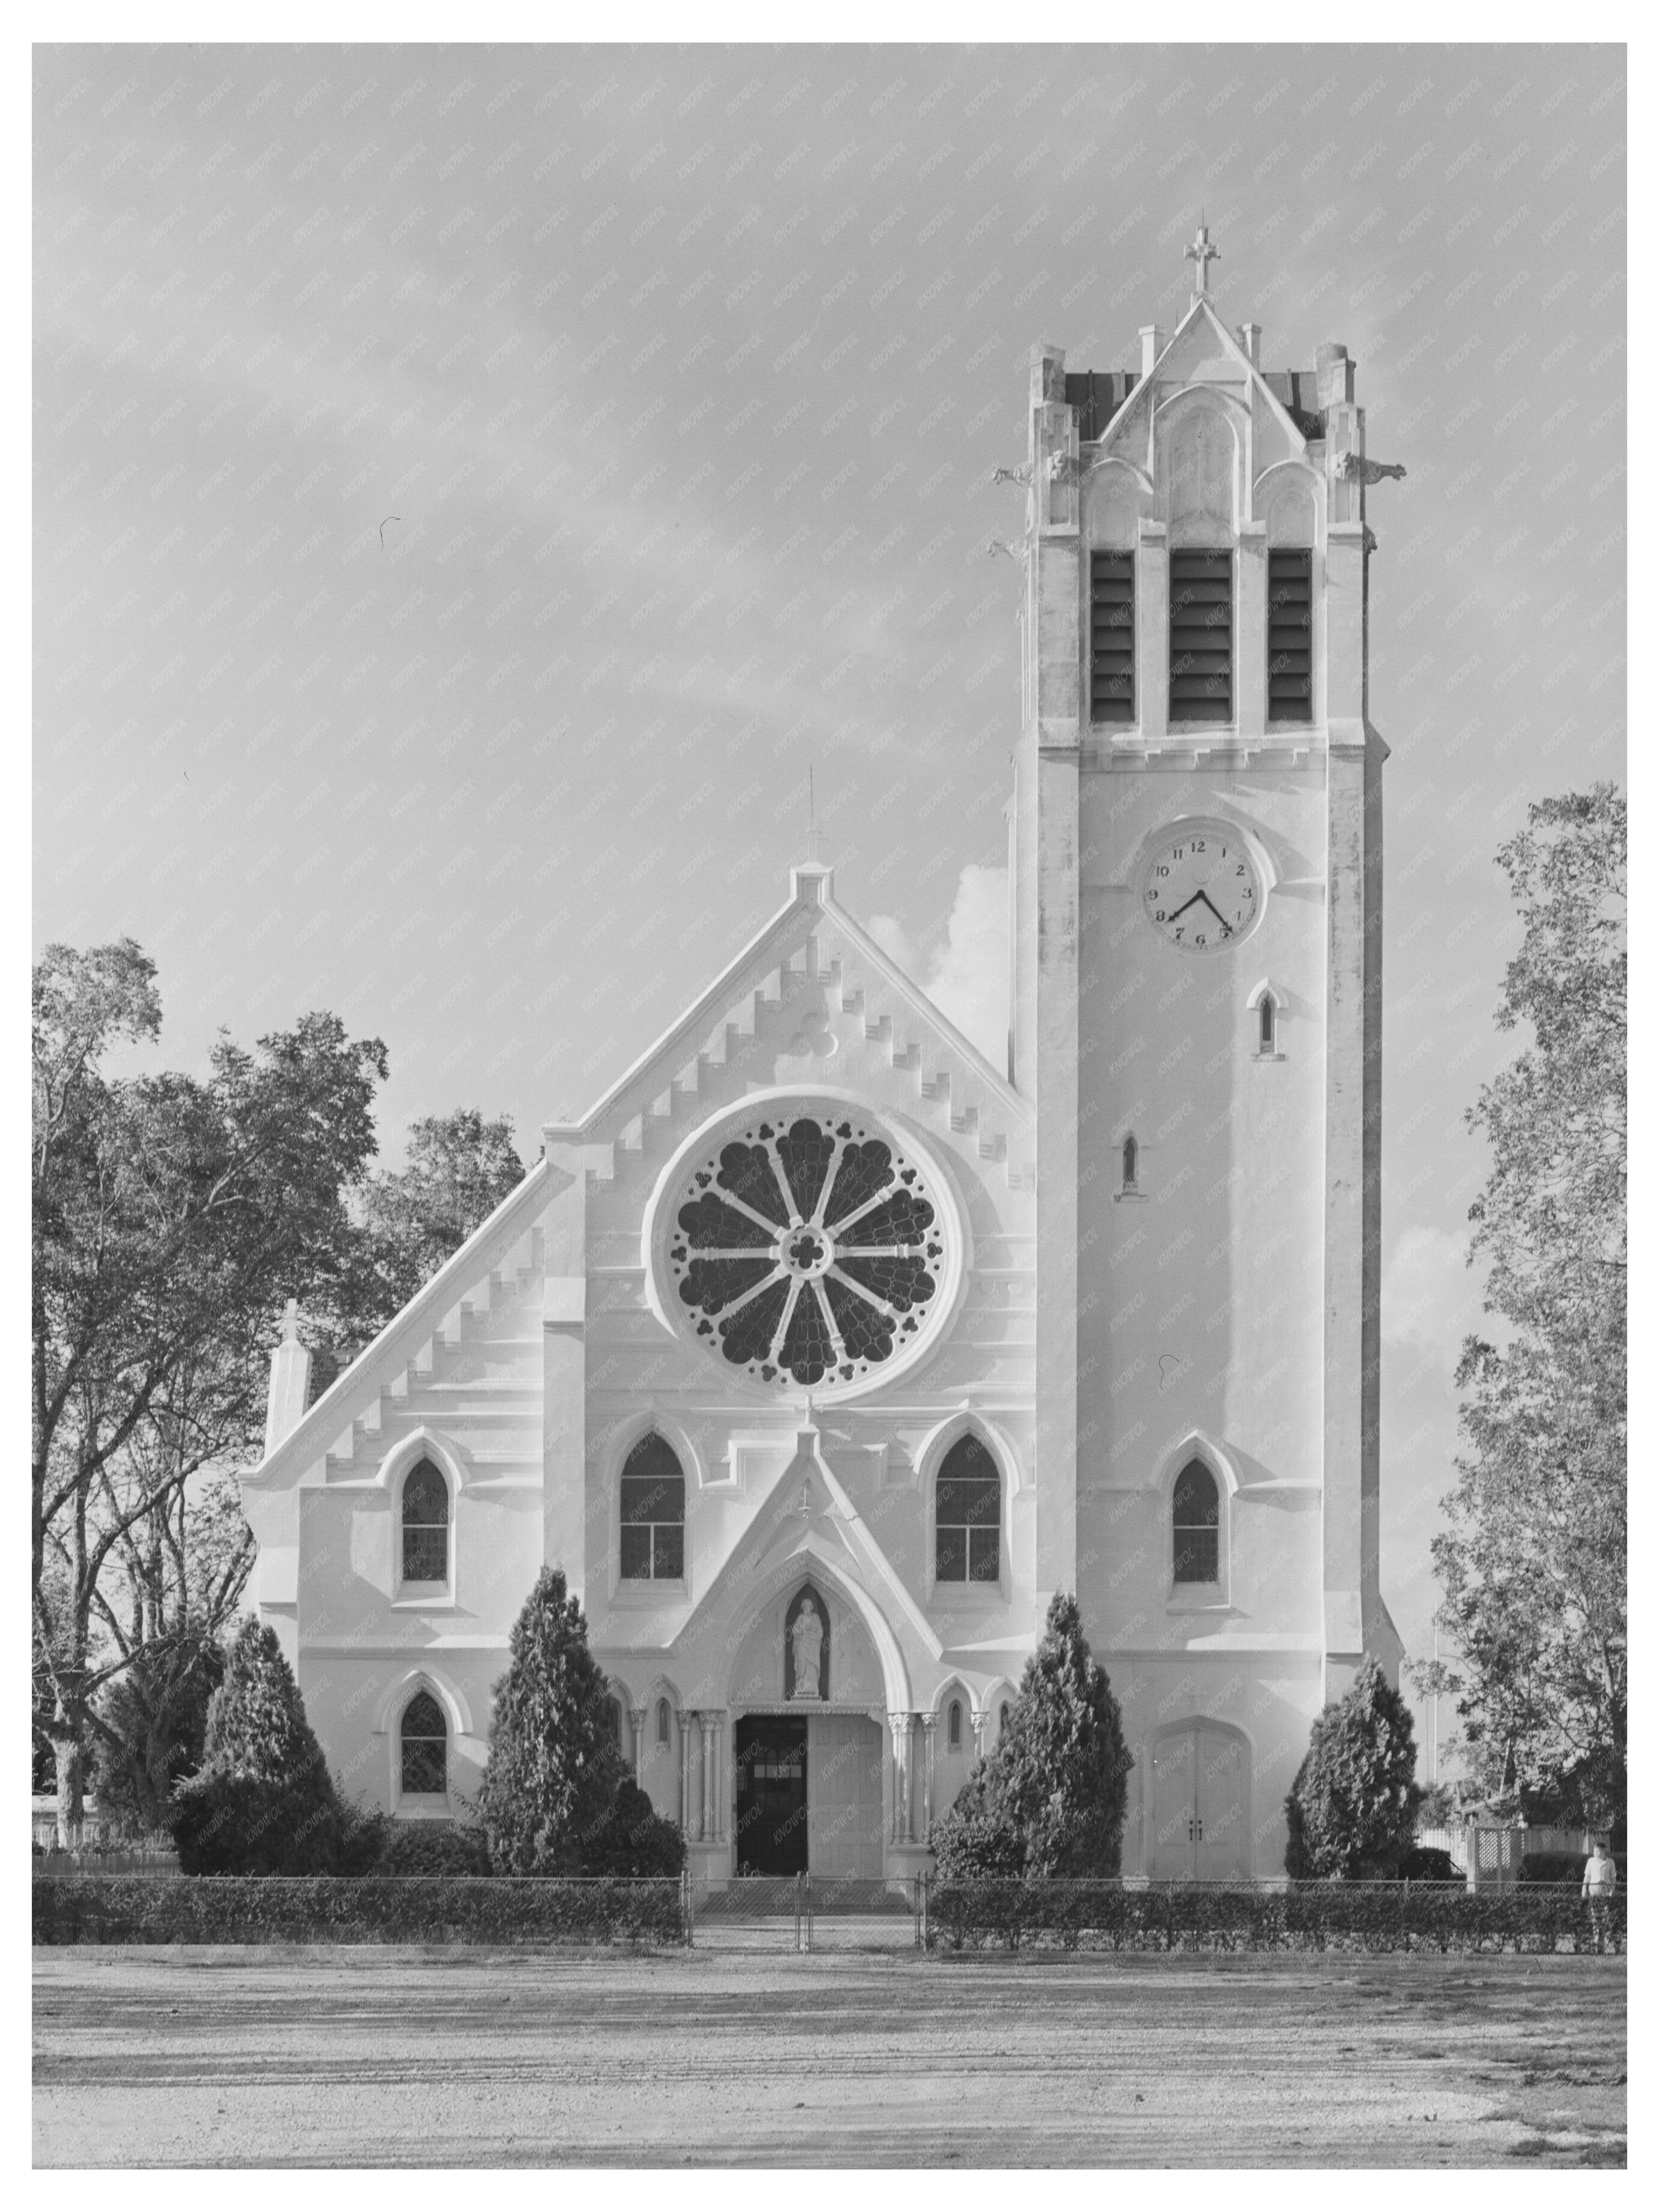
(1351, 1812)
(634, 1838)
(262, 1801)
(1050, 1799)
(554, 1769)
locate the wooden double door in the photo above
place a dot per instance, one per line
(809, 1794)
(1201, 1806)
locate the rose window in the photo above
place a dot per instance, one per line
(807, 1250)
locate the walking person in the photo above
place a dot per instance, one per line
(1601, 1880)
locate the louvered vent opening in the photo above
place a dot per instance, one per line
(1290, 637)
(1200, 637)
(1112, 637)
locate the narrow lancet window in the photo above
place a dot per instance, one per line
(1131, 1161)
(1266, 1019)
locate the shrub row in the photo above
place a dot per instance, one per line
(354, 1909)
(1307, 1916)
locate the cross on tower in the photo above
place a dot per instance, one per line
(1200, 252)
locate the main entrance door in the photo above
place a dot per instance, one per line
(843, 1797)
(1201, 1806)
(771, 1764)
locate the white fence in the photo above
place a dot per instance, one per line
(1492, 1854)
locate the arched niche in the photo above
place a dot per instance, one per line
(1199, 472)
(849, 1669)
(1291, 515)
(1113, 510)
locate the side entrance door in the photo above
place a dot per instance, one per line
(771, 1764)
(1201, 1806)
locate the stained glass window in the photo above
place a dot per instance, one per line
(968, 1515)
(1197, 1516)
(426, 1525)
(425, 1743)
(653, 1513)
(808, 1250)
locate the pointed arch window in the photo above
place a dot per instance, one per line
(426, 1525)
(424, 1747)
(968, 1515)
(1267, 1025)
(662, 1723)
(1002, 1716)
(1196, 1514)
(953, 1726)
(653, 1513)
(1131, 1161)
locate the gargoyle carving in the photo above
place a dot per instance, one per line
(1355, 465)
(1019, 476)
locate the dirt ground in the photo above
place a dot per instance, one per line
(731, 2056)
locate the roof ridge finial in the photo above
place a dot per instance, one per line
(1201, 253)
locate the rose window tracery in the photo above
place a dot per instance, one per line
(807, 1248)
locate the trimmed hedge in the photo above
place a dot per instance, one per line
(353, 1909)
(1319, 1916)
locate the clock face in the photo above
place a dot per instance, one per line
(1201, 889)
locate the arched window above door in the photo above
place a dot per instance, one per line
(1196, 1519)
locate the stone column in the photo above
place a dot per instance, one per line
(680, 1720)
(900, 1724)
(636, 1721)
(706, 1823)
(929, 1725)
(717, 1741)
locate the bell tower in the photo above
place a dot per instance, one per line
(1196, 843)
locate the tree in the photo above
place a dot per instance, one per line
(263, 1802)
(1533, 1562)
(1352, 1809)
(554, 1770)
(1051, 1798)
(151, 1731)
(170, 1220)
(459, 1168)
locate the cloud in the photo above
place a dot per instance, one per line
(966, 977)
(1430, 1298)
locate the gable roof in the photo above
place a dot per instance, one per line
(1299, 425)
(811, 910)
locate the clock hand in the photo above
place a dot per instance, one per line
(1193, 900)
(1215, 909)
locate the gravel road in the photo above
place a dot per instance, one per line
(424, 2057)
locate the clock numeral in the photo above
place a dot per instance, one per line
(1160, 870)
(1160, 915)
(1239, 870)
(1199, 846)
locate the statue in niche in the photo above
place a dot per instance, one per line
(806, 1650)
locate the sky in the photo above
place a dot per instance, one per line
(473, 486)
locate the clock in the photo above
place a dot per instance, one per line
(1201, 888)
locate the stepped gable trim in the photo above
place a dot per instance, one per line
(917, 1000)
(357, 1389)
(811, 902)
(633, 1092)
(1255, 378)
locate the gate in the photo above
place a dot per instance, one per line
(805, 1911)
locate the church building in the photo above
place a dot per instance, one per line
(820, 1352)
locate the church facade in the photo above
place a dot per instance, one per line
(821, 1350)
